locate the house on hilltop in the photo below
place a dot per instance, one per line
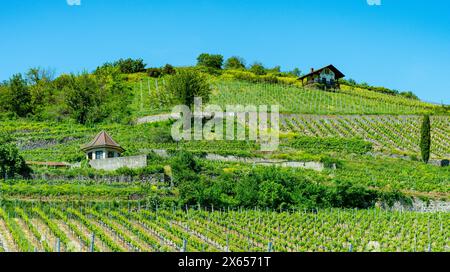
(102, 147)
(326, 77)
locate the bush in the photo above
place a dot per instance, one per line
(235, 63)
(11, 163)
(425, 139)
(211, 61)
(130, 66)
(154, 72)
(17, 96)
(125, 66)
(168, 70)
(258, 69)
(186, 85)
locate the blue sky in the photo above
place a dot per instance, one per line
(402, 44)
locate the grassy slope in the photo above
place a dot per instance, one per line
(42, 141)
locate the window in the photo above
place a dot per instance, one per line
(99, 155)
(110, 154)
(90, 155)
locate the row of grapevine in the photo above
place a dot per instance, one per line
(399, 133)
(137, 229)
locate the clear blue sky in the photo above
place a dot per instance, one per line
(402, 44)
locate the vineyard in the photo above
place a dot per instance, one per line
(151, 98)
(106, 227)
(368, 143)
(388, 133)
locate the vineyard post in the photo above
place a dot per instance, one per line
(92, 242)
(142, 105)
(183, 249)
(149, 89)
(227, 249)
(269, 247)
(58, 245)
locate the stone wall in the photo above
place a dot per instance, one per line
(116, 163)
(420, 206)
(317, 166)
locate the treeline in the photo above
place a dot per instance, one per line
(86, 98)
(363, 85)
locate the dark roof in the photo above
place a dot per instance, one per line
(338, 73)
(102, 140)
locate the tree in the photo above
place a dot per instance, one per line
(41, 88)
(20, 97)
(296, 72)
(82, 97)
(210, 61)
(168, 70)
(130, 66)
(126, 66)
(425, 139)
(11, 163)
(235, 63)
(258, 69)
(186, 85)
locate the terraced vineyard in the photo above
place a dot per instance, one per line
(293, 99)
(150, 98)
(387, 133)
(73, 228)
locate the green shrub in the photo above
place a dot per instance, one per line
(186, 85)
(319, 145)
(425, 139)
(210, 61)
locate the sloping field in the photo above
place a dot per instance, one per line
(107, 229)
(388, 133)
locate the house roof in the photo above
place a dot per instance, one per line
(338, 73)
(102, 140)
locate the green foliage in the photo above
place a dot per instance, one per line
(11, 162)
(82, 98)
(168, 70)
(159, 72)
(154, 72)
(296, 72)
(425, 139)
(210, 61)
(235, 63)
(93, 99)
(17, 96)
(258, 69)
(186, 85)
(130, 66)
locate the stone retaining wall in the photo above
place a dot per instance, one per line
(112, 164)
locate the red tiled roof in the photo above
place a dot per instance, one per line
(102, 140)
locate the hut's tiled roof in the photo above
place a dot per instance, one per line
(102, 140)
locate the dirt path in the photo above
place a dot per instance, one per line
(113, 236)
(30, 236)
(47, 234)
(75, 243)
(134, 237)
(98, 243)
(8, 242)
